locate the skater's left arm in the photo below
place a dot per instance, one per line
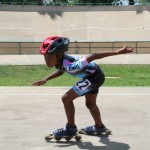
(103, 54)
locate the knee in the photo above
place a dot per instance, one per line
(65, 99)
(89, 106)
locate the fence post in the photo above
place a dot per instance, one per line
(112, 46)
(136, 48)
(89, 47)
(19, 48)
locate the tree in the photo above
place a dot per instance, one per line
(92, 2)
(27, 2)
(131, 2)
(144, 1)
(96, 1)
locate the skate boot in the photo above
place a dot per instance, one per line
(93, 130)
(68, 132)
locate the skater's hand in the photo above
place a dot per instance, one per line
(124, 50)
(40, 82)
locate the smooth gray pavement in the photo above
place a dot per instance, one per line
(27, 114)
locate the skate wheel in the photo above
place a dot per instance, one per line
(57, 138)
(108, 131)
(49, 137)
(78, 137)
(82, 131)
(68, 138)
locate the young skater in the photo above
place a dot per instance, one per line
(54, 49)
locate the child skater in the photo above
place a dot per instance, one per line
(54, 49)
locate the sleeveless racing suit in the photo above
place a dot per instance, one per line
(91, 75)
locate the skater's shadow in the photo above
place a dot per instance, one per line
(106, 144)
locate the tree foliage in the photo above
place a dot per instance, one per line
(54, 1)
(25, 2)
(41, 2)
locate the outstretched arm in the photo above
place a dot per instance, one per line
(56, 74)
(103, 54)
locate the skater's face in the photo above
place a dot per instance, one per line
(51, 60)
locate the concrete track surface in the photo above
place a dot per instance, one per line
(27, 114)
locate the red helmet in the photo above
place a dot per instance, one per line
(54, 45)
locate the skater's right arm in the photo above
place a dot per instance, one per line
(55, 74)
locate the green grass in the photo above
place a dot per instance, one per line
(130, 75)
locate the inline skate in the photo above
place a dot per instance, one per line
(68, 132)
(93, 130)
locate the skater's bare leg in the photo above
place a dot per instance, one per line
(67, 99)
(93, 108)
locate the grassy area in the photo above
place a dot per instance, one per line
(130, 75)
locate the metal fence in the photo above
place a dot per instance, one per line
(32, 48)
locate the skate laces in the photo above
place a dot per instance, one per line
(94, 129)
(90, 129)
(66, 130)
(61, 130)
